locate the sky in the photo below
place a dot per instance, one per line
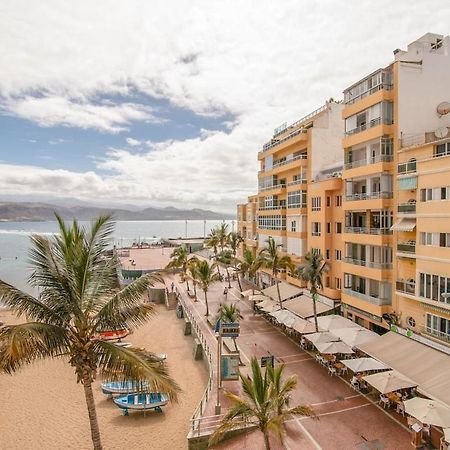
(166, 103)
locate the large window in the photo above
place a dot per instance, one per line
(316, 203)
(276, 222)
(438, 326)
(435, 239)
(338, 200)
(297, 199)
(315, 228)
(442, 150)
(436, 193)
(380, 113)
(433, 286)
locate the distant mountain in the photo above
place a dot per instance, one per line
(30, 211)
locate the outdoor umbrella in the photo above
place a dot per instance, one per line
(271, 307)
(258, 298)
(389, 381)
(428, 411)
(333, 347)
(302, 326)
(355, 336)
(284, 316)
(250, 292)
(321, 336)
(267, 302)
(334, 321)
(364, 365)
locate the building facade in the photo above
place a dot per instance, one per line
(366, 183)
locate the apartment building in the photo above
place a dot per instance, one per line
(246, 225)
(383, 111)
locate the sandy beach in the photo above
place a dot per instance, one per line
(44, 408)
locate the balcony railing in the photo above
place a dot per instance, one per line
(407, 287)
(366, 230)
(367, 196)
(407, 167)
(370, 124)
(436, 333)
(315, 233)
(372, 264)
(296, 205)
(365, 162)
(368, 298)
(274, 186)
(295, 182)
(370, 91)
(272, 207)
(406, 208)
(287, 161)
(406, 247)
(274, 142)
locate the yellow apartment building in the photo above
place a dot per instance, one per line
(246, 225)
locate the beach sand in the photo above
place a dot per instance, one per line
(44, 408)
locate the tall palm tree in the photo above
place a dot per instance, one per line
(270, 258)
(80, 297)
(311, 271)
(179, 260)
(192, 267)
(262, 403)
(248, 266)
(206, 276)
(222, 234)
(212, 242)
(234, 240)
(229, 313)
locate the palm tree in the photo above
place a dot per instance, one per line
(262, 403)
(212, 241)
(312, 272)
(222, 235)
(179, 260)
(234, 240)
(80, 297)
(249, 265)
(229, 314)
(192, 266)
(270, 258)
(206, 276)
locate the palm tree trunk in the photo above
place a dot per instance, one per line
(95, 431)
(239, 282)
(314, 295)
(195, 290)
(215, 257)
(207, 307)
(278, 291)
(187, 281)
(266, 440)
(228, 276)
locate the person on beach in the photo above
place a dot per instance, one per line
(172, 286)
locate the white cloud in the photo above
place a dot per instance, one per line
(51, 111)
(133, 142)
(57, 141)
(262, 63)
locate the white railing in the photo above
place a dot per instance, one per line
(372, 264)
(368, 298)
(368, 196)
(368, 92)
(295, 182)
(270, 208)
(372, 123)
(364, 162)
(365, 230)
(274, 186)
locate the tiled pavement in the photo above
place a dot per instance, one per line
(346, 419)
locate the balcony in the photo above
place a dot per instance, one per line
(271, 207)
(368, 298)
(365, 162)
(367, 230)
(275, 142)
(407, 208)
(367, 196)
(437, 334)
(287, 161)
(407, 287)
(407, 247)
(407, 167)
(371, 124)
(364, 263)
(274, 186)
(296, 182)
(382, 79)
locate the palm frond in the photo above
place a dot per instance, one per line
(27, 342)
(131, 363)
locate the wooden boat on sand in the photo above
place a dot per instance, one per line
(142, 402)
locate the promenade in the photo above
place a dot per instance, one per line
(346, 418)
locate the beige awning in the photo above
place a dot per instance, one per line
(303, 326)
(355, 336)
(333, 321)
(303, 306)
(425, 365)
(428, 411)
(404, 224)
(389, 381)
(286, 291)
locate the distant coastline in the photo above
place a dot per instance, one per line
(44, 212)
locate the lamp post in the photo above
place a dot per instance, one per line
(219, 368)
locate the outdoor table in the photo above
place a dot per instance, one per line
(328, 357)
(393, 397)
(338, 366)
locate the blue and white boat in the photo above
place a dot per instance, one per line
(114, 388)
(142, 402)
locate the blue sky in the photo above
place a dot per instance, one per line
(159, 104)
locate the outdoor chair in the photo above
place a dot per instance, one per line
(401, 408)
(343, 370)
(384, 401)
(332, 371)
(354, 383)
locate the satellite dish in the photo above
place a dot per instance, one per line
(441, 132)
(443, 108)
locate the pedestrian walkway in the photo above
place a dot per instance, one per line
(347, 419)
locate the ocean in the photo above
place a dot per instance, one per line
(15, 240)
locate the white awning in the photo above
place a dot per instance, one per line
(404, 224)
(304, 308)
(286, 291)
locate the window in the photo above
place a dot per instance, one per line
(296, 199)
(316, 228)
(338, 227)
(438, 326)
(442, 150)
(327, 282)
(338, 200)
(328, 227)
(337, 283)
(327, 254)
(316, 203)
(435, 239)
(328, 201)
(276, 222)
(315, 251)
(294, 225)
(436, 193)
(433, 286)
(338, 255)
(411, 322)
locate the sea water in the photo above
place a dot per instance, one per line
(15, 240)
